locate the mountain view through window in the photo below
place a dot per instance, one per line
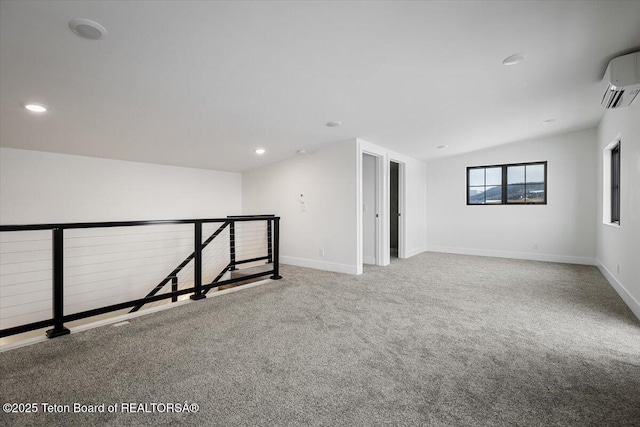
(507, 184)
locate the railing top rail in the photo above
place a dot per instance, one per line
(250, 216)
(76, 225)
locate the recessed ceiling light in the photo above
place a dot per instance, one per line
(334, 124)
(301, 152)
(514, 59)
(87, 28)
(442, 146)
(260, 151)
(35, 108)
(548, 121)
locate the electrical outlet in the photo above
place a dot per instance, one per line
(618, 268)
(321, 252)
(535, 246)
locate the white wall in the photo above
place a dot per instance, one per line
(331, 181)
(38, 187)
(369, 209)
(415, 204)
(564, 229)
(327, 178)
(618, 248)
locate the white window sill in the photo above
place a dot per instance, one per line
(611, 224)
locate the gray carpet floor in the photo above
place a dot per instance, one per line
(442, 340)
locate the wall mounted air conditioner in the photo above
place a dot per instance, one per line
(622, 81)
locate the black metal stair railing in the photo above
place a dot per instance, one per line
(197, 291)
(173, 276)
(229, 267)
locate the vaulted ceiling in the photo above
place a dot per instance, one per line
(203, 84)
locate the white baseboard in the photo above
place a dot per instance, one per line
(566, 259)
(319, 265)
(415, 251)
(371, 260)
(633, 304)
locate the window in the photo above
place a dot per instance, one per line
(615, 184)
(611, 183)
(484, 185)
(513, 184)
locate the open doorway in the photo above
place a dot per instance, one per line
(380, 206)
(394, 209)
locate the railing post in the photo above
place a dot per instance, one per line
(174, 288)
(269, 243)
(276, 249)
(232, 245)
(58, 285)
(197, 266)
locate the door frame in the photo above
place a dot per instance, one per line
(401, 204)
(383, 252)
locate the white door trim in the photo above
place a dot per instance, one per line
(382, 201)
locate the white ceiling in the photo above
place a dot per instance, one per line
(203, 84)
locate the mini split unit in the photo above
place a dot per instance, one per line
(622, 81)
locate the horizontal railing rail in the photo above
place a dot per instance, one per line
(74, 225)
(198, 290)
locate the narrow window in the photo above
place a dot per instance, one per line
(615, 184)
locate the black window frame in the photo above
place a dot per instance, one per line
(615, 184)
(504, 186)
